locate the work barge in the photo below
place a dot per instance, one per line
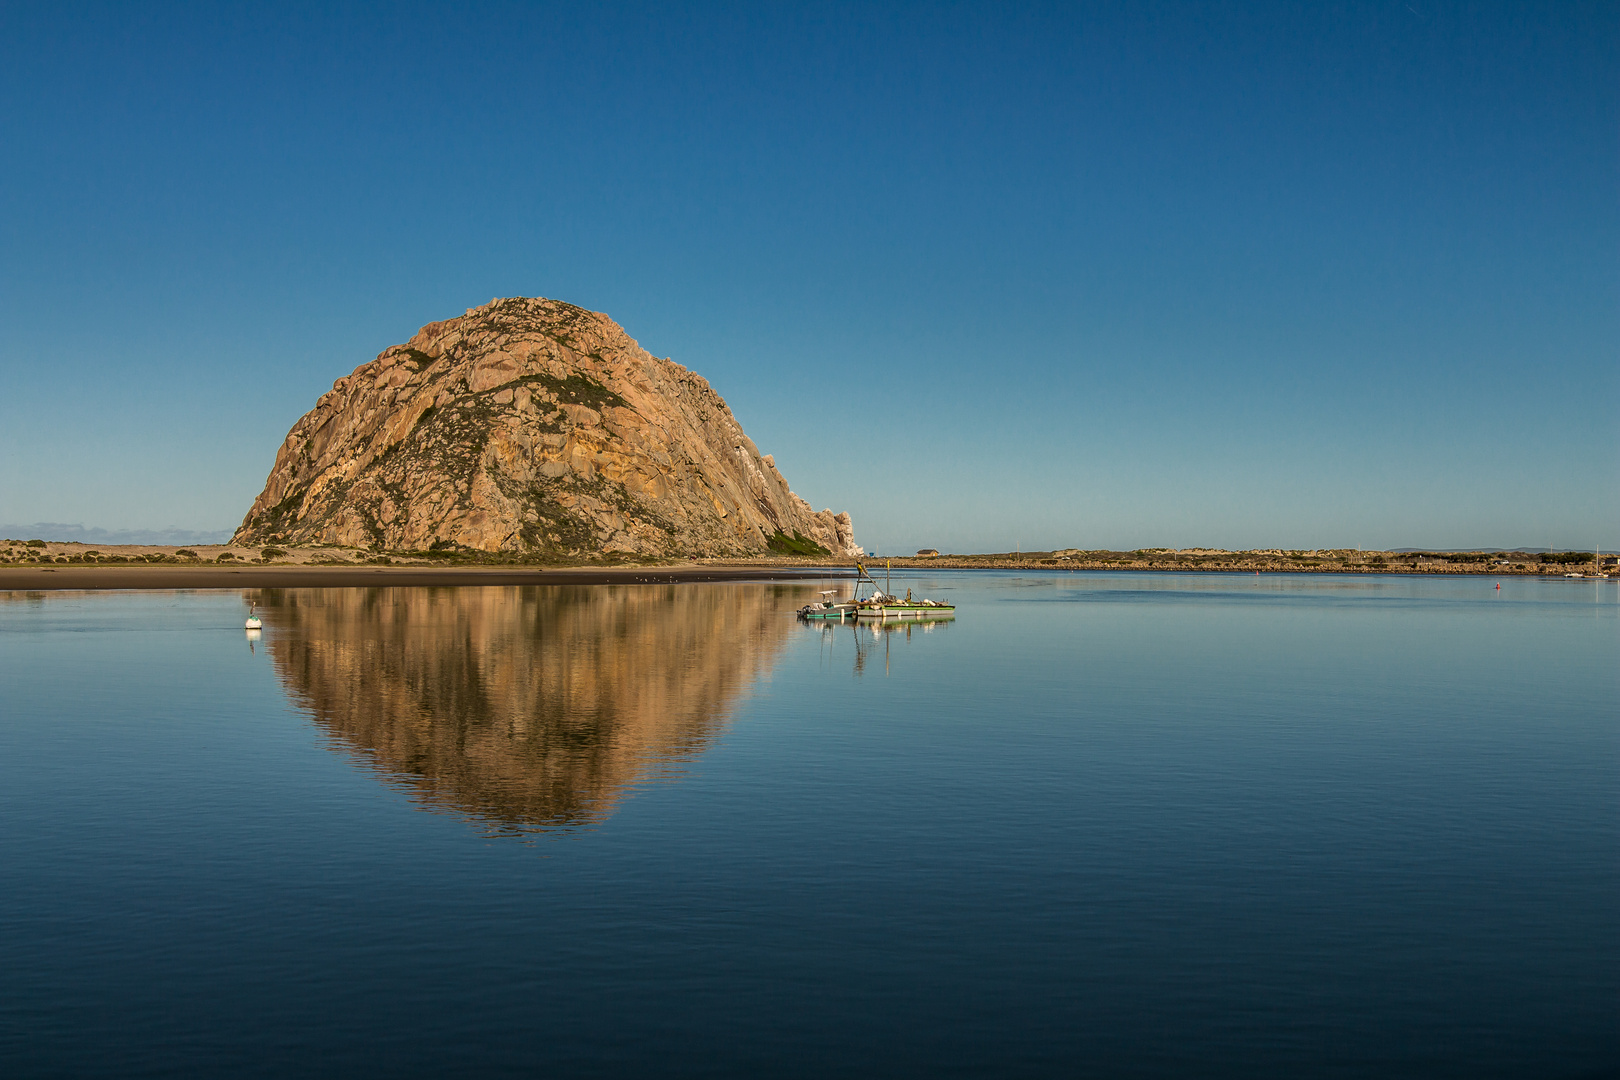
(877, 604)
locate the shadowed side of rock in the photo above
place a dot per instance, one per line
(530, 425)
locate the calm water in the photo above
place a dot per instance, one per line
(1107, 824)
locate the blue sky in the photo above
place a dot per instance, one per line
(986, 276)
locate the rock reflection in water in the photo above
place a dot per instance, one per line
(526, 708)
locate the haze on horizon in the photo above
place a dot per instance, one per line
(1118, 275)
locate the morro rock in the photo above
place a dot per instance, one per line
(531, 426)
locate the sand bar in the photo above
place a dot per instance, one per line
(38, 578)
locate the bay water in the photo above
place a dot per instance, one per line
(1110, 824)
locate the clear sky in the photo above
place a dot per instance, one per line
(987, 276)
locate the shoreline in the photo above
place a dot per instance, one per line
(1250, 568)
(82, 578)
(36, 565)
(127, 577)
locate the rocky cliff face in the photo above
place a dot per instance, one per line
(530, 425)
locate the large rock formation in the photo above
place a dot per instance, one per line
(530, 425)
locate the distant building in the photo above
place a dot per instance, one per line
(926, 552)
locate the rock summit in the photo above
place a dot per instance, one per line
(531, 426)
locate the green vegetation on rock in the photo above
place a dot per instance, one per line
(797, 544)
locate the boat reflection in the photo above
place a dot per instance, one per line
(527, 709)
(867, 636)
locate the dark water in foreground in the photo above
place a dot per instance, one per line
(1100, 824)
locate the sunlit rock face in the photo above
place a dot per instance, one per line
(532, 426)
(526, 708)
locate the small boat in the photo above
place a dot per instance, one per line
(253, 620)
(827, 608)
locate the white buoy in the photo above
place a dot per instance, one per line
(253, 620)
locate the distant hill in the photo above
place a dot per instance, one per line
(78, 534)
